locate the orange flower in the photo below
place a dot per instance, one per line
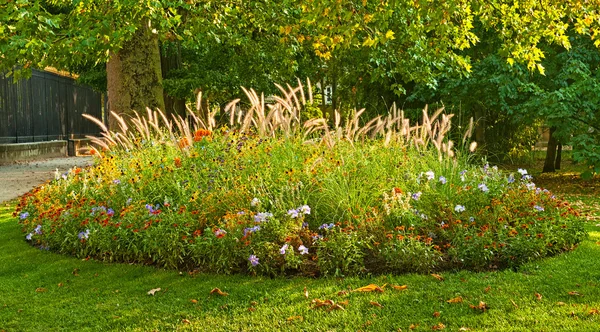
(183, 142)
(200, 133)
(178, 162)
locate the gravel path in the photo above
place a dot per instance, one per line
(20, 177)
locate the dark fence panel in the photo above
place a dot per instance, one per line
(46, 107)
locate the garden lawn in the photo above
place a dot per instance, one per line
(43, 291)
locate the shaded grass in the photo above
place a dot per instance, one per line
(84, 295)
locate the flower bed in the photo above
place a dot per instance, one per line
(230, 202)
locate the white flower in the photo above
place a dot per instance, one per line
(255, 201)
(430, 175)
(522, 171)
(459, 208)
(302, 249)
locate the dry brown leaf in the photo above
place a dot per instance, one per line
(289, 319)
(185, 321)
(344, 303)
(253, 303)
(335, 307)
(60, 284)
(514, 304)
(305, 293)
(40, 290)
(538, 296)
(436, 314)
(560, 303)
(437, 276)
(252, 309)
(376, 304)
(76, 272)
(370, 288)
(575, 294)
(218, 292)
(194, 301)
(487, 289)
(456, 300)
(482, 306)
(152, 291)
(594, 311)
(403, 287)
(342, 293)
(413, 326)
(438, 326)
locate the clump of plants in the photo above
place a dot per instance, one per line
(273, 194)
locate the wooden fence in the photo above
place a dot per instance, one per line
(46, 107)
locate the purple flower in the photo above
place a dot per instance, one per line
(219, 233)
(483, 187)
(24, 215)
(28, 237)
(283, 249)
(530, 186)
(305, 209)
(38, 229)
(110, 212)
(327, 226)
(471, 219)
(442, 180)
(293, 213)
(430, 175)
(463, 172)
(526, 177)
(485, 167)
(539, 208)
(84, 235)
(117, 181)
(416, 196)
(302, 249)
(511, 178)
(253, 260)
(262, 216)
(459, 208)
(304, 225)
(251, 230)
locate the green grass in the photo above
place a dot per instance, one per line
(79, 295)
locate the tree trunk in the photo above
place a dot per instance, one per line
(550, 153)
(134, 76)
(558, 156)
(170, 59)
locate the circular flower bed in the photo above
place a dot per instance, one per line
(233, 202)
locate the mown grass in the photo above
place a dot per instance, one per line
(43, 291)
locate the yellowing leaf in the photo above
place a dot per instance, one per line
(560, 303)
(370, 288)
(369, 42)
(541, 69)
(152, 291)
(289, 319)
(403, 287)
(41, 290)
(376, 304)
(218, 292)
(439, 326)
(456, 300)
(482, 306)
(575, 294)
(437, 276)
(510, 61)
(594, 311)
(194, 301)
(336, 307)
(390, 35)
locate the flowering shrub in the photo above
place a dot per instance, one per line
(229, 202)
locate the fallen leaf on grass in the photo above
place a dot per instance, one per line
(289, 319)
(437, 276)
(482, 306)
(218, 292)
(456, 300)
(60, 284)
(487, 289)
(575, 294)
(514, 304)
(251, 309)
(594, 311)
(152, 291)
(194, 301)
(376, 304)
(370, 288)
(76, 272)
(538, 296)
(438, 326)
(560, 303)
(335, 307)
(403, 287)
(41, 290)
(342, 293)
(436, 314)
(464, 329)
(305, 293)
(413, 326)
(186, 321)
(318, 303)
(344, 303)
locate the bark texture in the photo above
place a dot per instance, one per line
(549, 165)
(134, 76)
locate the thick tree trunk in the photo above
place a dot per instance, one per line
(134, 76)
(550, 153)
(558, 156)
(170, 59)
